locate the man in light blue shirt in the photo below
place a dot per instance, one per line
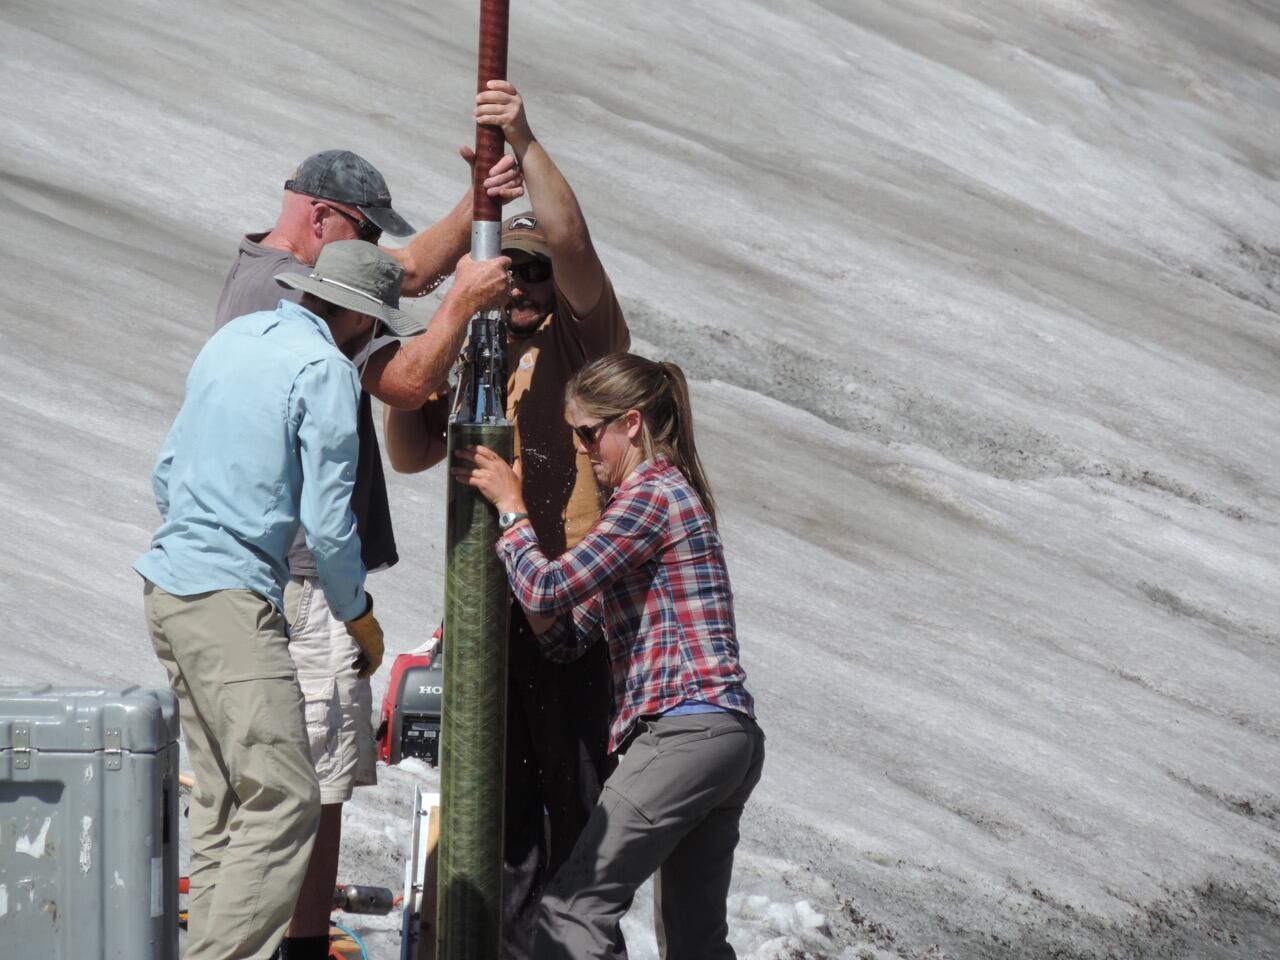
(265, 441)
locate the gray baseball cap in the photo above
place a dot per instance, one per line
(349, 178)
(360, 277)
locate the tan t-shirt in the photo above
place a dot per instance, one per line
(560, 490)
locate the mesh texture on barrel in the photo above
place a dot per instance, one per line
(473, 735)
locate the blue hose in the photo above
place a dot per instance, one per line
(356, 937)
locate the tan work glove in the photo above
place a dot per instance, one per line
(367, 632)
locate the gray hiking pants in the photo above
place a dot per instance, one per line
(671, 807)
(256, 803)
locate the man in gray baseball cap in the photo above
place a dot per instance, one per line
(265, 445)
(332, 196)
(351, 179)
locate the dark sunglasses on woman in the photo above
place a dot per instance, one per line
(589, 433)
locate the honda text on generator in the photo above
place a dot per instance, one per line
(413, 706)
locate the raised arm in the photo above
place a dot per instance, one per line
(578, 272)
(429, 257)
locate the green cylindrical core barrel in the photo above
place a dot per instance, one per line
(473, 737)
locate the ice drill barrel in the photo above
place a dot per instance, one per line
(477, 602)
(473, 734)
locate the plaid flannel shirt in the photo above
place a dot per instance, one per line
(650, 579)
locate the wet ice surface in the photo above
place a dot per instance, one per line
(980, 302)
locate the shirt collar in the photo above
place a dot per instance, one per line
(643, 471)
(289, 308)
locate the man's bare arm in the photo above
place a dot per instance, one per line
(579, 274)
(429, 257)
(416, 440)
(407, 376)
(431, 254)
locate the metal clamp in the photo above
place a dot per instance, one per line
(111, 748)
(21, 746)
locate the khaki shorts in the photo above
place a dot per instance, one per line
(339, 705)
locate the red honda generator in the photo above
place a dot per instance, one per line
(411, 709)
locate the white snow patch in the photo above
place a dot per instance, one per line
(766, 928)
(415, 767)
(759, 927)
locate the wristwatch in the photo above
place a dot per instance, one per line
(508, 520)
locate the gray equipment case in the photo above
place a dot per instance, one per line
(88, 824)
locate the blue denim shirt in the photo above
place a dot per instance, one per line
(265, 440)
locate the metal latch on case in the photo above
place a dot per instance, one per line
(111, 748)
(21, 746)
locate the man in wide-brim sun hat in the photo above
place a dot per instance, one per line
(264, 444)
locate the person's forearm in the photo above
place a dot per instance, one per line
(547, 587)
(416, 439)
(160, 485)
(430, 256)
(330, 529)
(421, 366)
(559, 217)
(567, 637)
(555, 638)
(541, 624)
(579, 275)
(328, 450)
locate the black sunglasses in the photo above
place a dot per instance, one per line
(590, 433)
(532, 271)
(366, 230)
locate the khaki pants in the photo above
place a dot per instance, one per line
(672, 807)
(256, 803)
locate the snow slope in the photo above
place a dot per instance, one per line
(981, 304)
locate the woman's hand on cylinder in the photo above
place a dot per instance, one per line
(497, 481)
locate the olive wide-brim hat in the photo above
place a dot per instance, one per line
(360, 277)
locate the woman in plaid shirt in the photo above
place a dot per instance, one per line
(649, 579)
